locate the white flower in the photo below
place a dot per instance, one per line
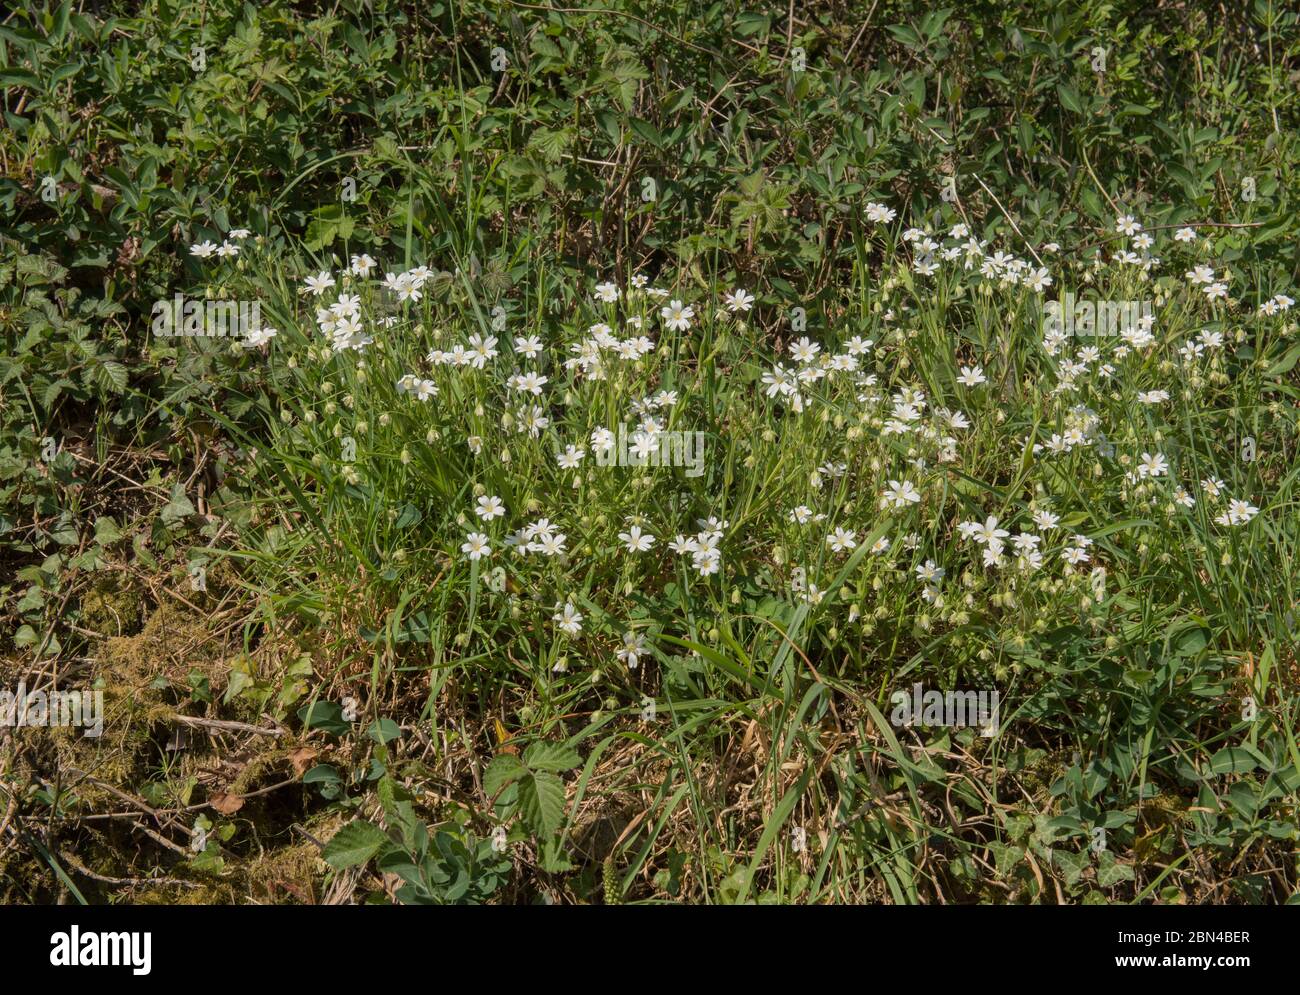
(899, 494)
(634, 647)
(929, 572)
(530, 383)
(1126, 225)
(682, 545)
(989, 533)
(805, 350)
(677, 316)
(738, 300)
(1038, 280)
(1240, 512)
(842, 539)
(317, 285)
(476, 546)
(528, 347)
(570, 458)
(489, 507)
(549, 544)
(707, 561)
(203, 249)
(880, 213)
(258, 336)
(1044, 519)
(972, 376)
(636, 540)
(1152, 465)
(606, 293)
(569, 619)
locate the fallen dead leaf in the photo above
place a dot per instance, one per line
(301, 759)
(224, 803)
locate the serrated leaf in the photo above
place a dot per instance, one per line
(541, 802)
(353, 845)
(500, 772)
(551, 756)
(110, 375)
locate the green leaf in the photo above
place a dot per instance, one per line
(384, 730)
(1110, 871)
(647, 131)
(1069, 98)
(551, 756)
(178, 508)
(541, 802)
(1072, 865)
(1286, 363)
(354, 844)
(1232, 760)
(106, 531)
(110, 375)
(326, 715)
(500, 772)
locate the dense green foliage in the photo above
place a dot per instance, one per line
(183, 526)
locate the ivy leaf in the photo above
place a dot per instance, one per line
(1111, 872)
(106, 531)
(1072, 865)
(178, 508)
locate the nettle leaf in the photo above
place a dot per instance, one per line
(354, 844)
(108, 375)
(551, 756)
(501, 772)
(541, 802)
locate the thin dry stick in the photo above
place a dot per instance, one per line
(81, 868)
(227, 725)
(1009, 218)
